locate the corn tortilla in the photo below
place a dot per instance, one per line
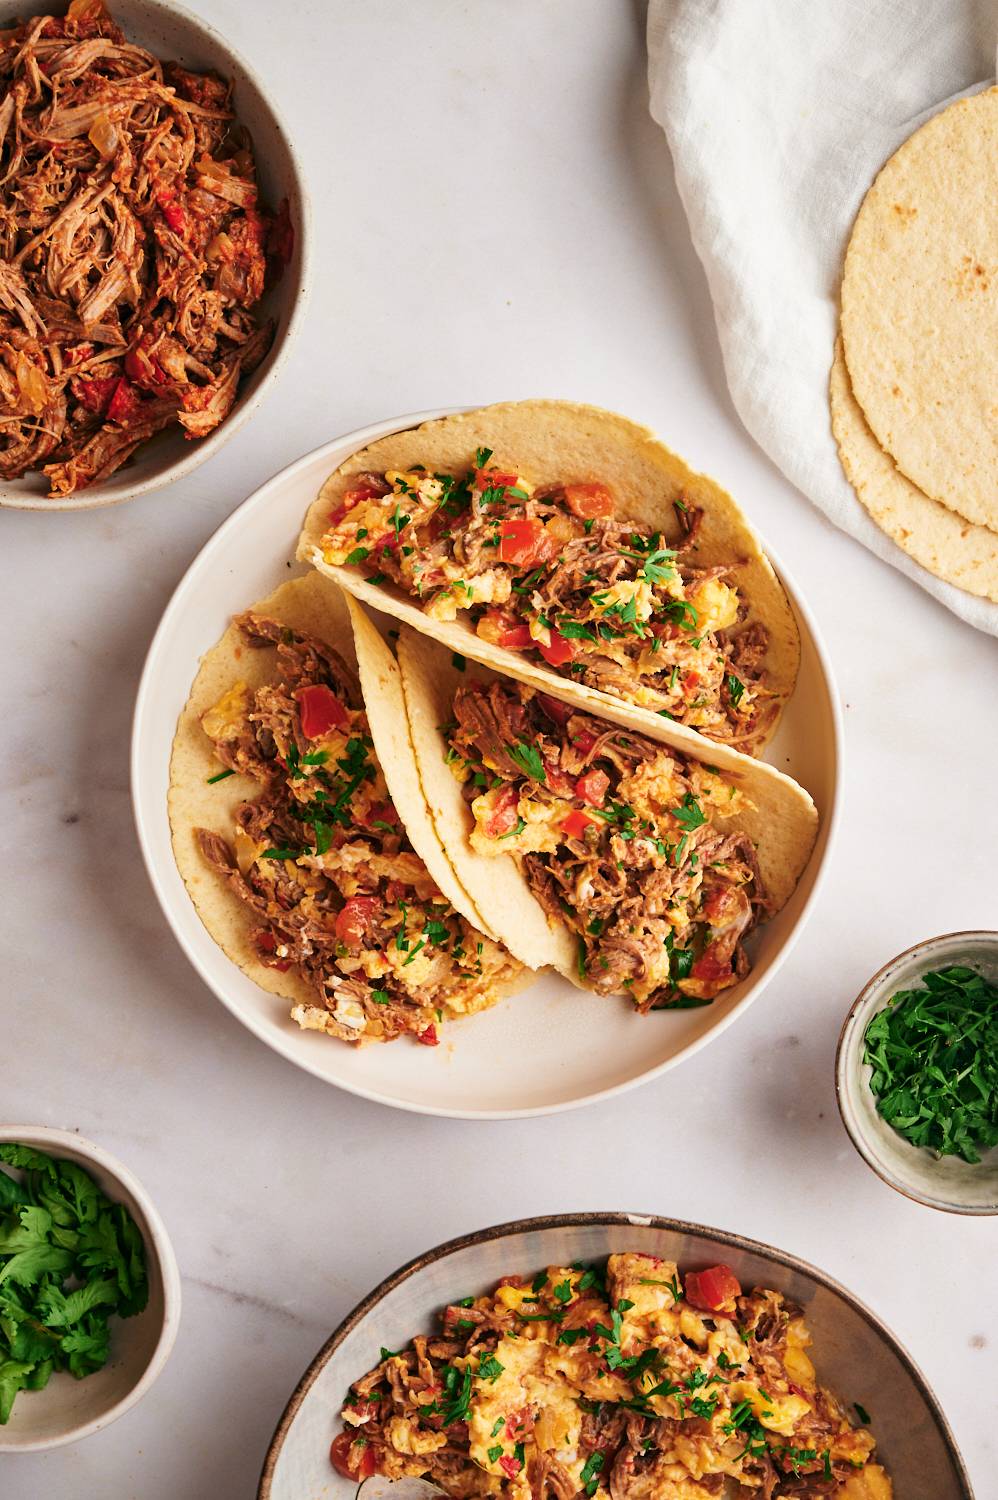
(782, 820)
(920, 308)
(559, 441)
(313, 605)
(936, 537)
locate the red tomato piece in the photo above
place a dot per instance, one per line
(521, 541)
(691, 681)
(172, 210)
(504, 629)
(587, 501)
(592, 787)
(584, 741)
(320, 710)
(502, 818)
(494, 479)
(558, 780)
(142, 369)
(267, 943)
(381, 812)
(510, 1466)
(355, 918)
(519, 1423)
(555, 709)
(559, 651)
(710, 967)
(352, 1462)
(124, 404)
(713, 1290)
(575, 823)
(428, 1037)
(95, 394)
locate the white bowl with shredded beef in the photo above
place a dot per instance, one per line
(153, 249)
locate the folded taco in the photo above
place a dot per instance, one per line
(561, 542)
(650, 866)
(310, 857)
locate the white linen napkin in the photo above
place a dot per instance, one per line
(779, 113)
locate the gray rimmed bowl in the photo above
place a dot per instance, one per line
(946, 1183)
(854, 1352)
(174, 34)
(67, 1409)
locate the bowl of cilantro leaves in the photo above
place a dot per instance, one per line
(89, 1289)
(917, 1073)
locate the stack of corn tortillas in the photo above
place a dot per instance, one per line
(914, 383)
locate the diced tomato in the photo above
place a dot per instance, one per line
(588, 500)
(428, 1037)
(142, 368)
(519, 1423)
(510, 1466)
(575, 823)
(494, 479)
(95, 394)
(124, 404)
(504, 629)
(555, 709)
(559, 651)
(267, 943)
(355, 918)
(691, 681)
(592, 787)
(502, 818)
(710, 968)
(381, 812)
(521, 541)
(75, 354)
(558, 780)
(320, 710)
(172, 210)
(387, 542)
(367, 486)
(364, 1410)
(352, 1457)
(713, 1290)
(584, 741)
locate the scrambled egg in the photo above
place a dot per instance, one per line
(716, 604)
(226, 719)
(536, 1387)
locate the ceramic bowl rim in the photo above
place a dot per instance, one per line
(853, 1128)
(277, 355)
(546, 1222)
(157, 1242)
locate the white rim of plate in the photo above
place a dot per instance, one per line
(284, 1043)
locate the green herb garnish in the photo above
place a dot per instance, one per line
(934, 1055)
(69, 1259)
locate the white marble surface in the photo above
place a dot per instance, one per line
(497, 218)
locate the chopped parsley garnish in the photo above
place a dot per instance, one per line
(220, 777)
(519, 826)
(70, 1259)
(482, 456)
(496, 1452)
(529, 759)
(357, 555)
(735, 688)
(590, 1472)
(690, 814)
(490, 1369)
(934, 1055)
(380, 997)
(563, 1291)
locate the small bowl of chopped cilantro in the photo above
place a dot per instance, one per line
(89, 1289)
(917, 1073)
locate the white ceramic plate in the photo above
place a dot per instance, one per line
(549, 1047)
(855, 1354)
(67, 1409)
(174, 34)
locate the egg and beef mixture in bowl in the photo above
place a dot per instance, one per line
(612, 1382)
(317, 887)
(640, 580)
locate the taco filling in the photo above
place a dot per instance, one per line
(550, 571)
(625, 1380)
(321, 858)
(620, 837)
